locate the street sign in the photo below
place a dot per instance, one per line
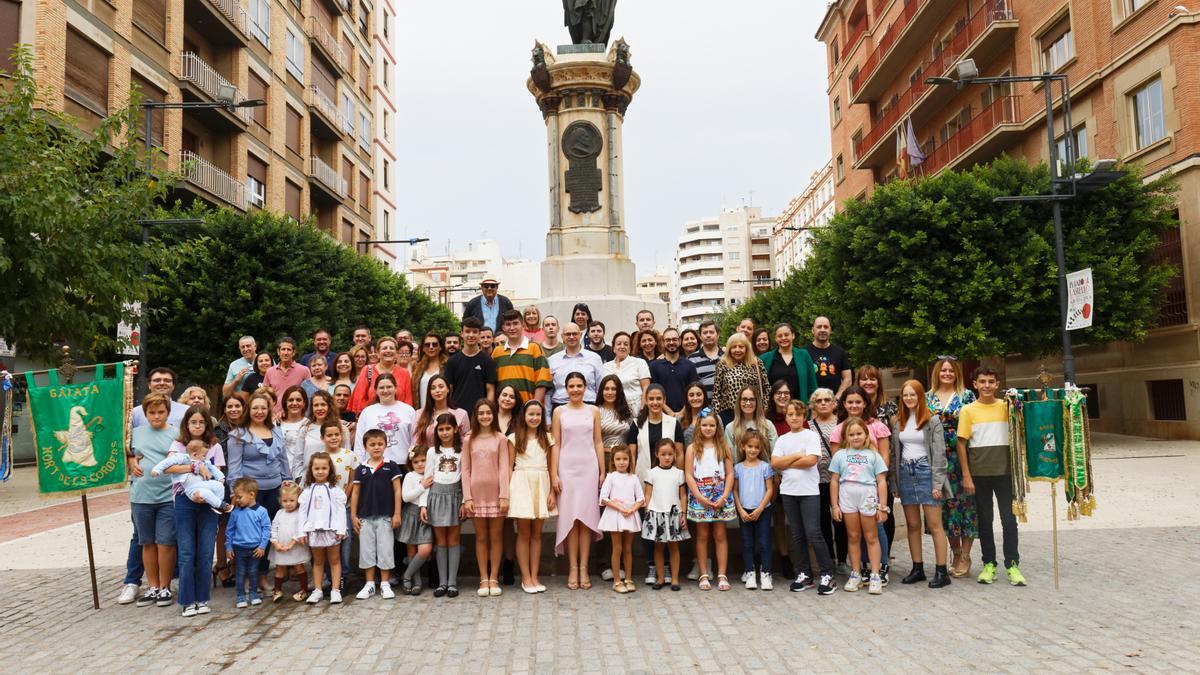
(129, 337)
(6, 350)
(1079, 299)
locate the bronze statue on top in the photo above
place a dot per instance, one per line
(590, 21)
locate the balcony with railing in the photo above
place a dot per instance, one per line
(857, 30)
(984, 136)
(328, 45)
(913, 26)
(327, 120)
(222, 22)
(981, 38)
(202, 82)
(327, 178)
(213, 180)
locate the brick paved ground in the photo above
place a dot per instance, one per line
(1113, 613)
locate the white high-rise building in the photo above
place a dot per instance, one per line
(814, 208)
(719, 262)
(453, 279)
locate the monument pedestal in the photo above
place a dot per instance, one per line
(583, 93)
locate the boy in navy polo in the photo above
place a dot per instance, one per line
(375, 513)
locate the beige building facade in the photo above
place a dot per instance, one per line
(1135, 96)
(315, 149)
(812, 208)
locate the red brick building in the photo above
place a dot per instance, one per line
(1134, 71)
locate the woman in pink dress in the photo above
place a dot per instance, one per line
(576, 467)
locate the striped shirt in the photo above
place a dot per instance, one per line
(524, 367)
(706, 368)
(985, 428)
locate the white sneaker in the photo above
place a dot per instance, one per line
(128, 594)
(667, 575)
(751, 581)
(202, 608)
(876, 585)
(315, 596)
(745, 575)
(242, 604)
(765, 582)
(651, 575)
(189, 611)
(853, 583)
(335, 597)
(385, 591)
(606, 575)
(367, 591)
(695, 573)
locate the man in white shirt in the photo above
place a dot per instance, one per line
(574, 358)
(161, 381)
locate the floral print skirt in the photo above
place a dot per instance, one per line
(958, 510)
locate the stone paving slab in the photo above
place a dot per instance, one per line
(1113, 613)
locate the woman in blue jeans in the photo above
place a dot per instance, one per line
(195, 522)
(256, 450)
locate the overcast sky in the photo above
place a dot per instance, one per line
(732, 109)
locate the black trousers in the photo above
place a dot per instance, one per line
(834, 532)
(1001, 488)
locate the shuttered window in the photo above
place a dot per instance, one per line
(151, 93)
(364, 76)
(256, 180)
(348, 175)
(257, 88)
(87, 73)
(324, 80)
(364, 192)
(293, 130)
(151, 17)
(292, 199)
(10, 31)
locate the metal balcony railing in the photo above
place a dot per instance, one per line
(326, 105)
(208, 80)
(856, 33)
(320, 34)
(884, 44)
(327, 175)
(204, 174)
(233, 11)
(1004, 110)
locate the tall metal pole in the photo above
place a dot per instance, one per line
(1059, 249)
(143, 377)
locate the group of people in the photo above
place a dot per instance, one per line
(373, 458)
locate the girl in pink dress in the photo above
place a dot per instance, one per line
(486, 473)
(576, 468)
(621, 497)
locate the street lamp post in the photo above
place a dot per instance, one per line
(968, 73)
(225, 96)
(366, 243)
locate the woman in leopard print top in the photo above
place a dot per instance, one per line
(736, 370)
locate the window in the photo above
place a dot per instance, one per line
(256, 181)
(386, 174)
(387, 23)
(291, 198)
(151, 17)
(295, 55)
(257, 89)
(1174, 311)
(1079, 141)
(1058, 47)
(386, 133)
(1149, 125)
(364, 76)
(837, 110)
(10, 31)
(1166, 400)
(347, 232)
(292, 139)
(385, 75)
(364, 19)
(348, 113)
(348, 176)
(86, 74)
(840, 167)
(854, 141)
(834, 55)
(364, 192)
(260, 21)
(364, 131)
(151, 93)
(1132, 6)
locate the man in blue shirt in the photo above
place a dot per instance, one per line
(673, 371)
(488, 306)
(574, 358)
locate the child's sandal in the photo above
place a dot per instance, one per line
(705, 584)
(619, 587)
(722, 582)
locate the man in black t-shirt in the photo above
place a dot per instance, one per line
(833, 363)
(471, 373)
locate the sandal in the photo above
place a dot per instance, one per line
(722, 582)
(629, 587)
(572, 580)
(705, 584)
(619, 587)
(585, 580)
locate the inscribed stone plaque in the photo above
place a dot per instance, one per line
(582, 143)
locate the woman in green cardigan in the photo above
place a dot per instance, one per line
(791, 364)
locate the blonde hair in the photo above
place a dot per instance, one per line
(860, 423)
(739, 339)
(183, 398)
(959, 386)
(697, 446)
(290, 490)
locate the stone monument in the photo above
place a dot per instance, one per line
(583, 91)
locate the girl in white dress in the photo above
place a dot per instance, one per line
(621, 496)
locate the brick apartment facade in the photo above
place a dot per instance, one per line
(321, 145)
(1135, 95)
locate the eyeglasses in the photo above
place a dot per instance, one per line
(491, 285)
(822, 400)
(946, 357)
(749, 399)
(433, 345)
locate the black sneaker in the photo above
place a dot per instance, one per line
(452, 591)
(883, 574)
(826, 587)
(164, 599)
(149, 597)
(802, 583)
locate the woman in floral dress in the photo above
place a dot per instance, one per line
(947, 396)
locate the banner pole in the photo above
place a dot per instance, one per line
(1054, 524)
(87, 530)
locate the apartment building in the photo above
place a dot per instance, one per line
(1134, 81)
(313, 149)
(720, 262)
(793, 233)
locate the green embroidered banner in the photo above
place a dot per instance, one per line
(1044, 439)
(79, 431)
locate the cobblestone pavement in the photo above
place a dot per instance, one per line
(1111, 614)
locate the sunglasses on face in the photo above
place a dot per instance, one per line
(491, 285)
(432, 345)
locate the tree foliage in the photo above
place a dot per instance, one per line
(265, 275)
(70, 249)
(934, 265)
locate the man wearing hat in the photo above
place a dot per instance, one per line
(488, 306)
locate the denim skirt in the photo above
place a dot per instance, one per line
(916, 483)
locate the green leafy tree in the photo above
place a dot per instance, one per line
(265, 275)
(70, 249)
(935, 265)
